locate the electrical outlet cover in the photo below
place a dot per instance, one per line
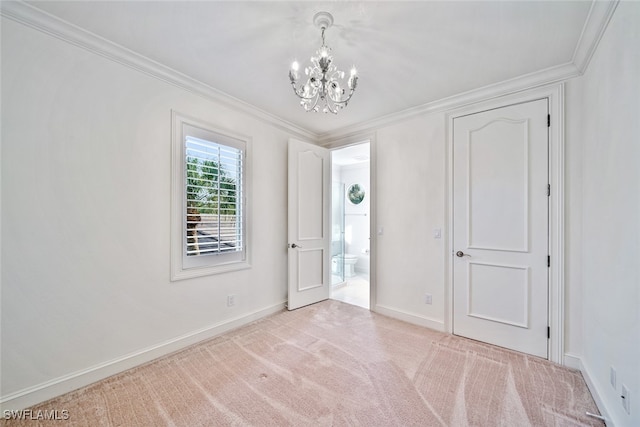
(626, 399)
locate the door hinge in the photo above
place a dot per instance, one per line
(548, 260)
(548, 190)
(548, 331)
(548, 120)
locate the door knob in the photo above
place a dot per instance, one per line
(461, 254)
(293, 245)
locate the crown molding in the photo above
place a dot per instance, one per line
(594, 27)
(40, 20)
(518, 84)
(596, 23)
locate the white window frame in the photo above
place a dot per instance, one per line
(183, 267)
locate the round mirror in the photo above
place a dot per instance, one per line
(355, 193)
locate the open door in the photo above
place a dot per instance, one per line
(309, 224)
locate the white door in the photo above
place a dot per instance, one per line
(500, 227)
(309, 224)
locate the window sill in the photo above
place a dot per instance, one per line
(192, 273)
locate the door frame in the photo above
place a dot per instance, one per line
(555, 96)
(356, 140)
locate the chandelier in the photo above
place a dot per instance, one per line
(325, 85)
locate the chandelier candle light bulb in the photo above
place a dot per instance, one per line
(293, 72)
(323, 85)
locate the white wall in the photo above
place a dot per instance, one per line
(85, 213)
(356, 220)
(411, 203)
(573, 221)
(604, 221)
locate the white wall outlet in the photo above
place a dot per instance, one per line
(231, 300)
(626, 399)
(427, 299)
(613, 377)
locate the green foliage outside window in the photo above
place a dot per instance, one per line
(209, 188)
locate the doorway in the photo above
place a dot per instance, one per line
(350, 225)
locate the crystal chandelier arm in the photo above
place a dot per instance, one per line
(338, 95)
(332, 106)
(300, 90)
(308, 102)
(313, 107)
(342, 100)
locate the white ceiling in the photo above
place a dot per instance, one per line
(351, 155)
(407, 53)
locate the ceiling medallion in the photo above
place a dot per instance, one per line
(325, 85)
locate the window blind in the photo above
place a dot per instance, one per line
(213, 188)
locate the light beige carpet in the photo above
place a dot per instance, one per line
(334, 364)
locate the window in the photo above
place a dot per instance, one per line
(209, 193)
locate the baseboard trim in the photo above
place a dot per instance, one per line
(575, 362)
(39, 393)
(572, 361)
(415, 319)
